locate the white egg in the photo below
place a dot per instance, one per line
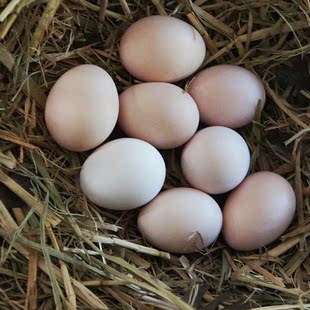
(123, 174)
(215, 160)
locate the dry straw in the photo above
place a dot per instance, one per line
(61, 252)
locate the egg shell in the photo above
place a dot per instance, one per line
(161, 49)
(181, 220)
(215, 160)
(160, 113)
(227, 95)
(123, 174)
(82, 108)
(258, 211)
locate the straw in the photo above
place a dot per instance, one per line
(59, 250)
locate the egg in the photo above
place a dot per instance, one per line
(123, 174)
(227, 95)
(181, 220)
(159, 113)
(82, 108)
(215, 160)
(161, 49)
(258, 211)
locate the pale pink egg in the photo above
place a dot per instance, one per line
(82, 108)
(181, 220)
(159, 113)
(258, 211)
(161, 49)
(227, 95)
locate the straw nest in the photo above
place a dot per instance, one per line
(58, 251)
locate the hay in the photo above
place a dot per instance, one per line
(62, 252)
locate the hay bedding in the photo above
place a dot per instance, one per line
(61, 252)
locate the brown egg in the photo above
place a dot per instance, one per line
(258, 211)
(181, 220)
(82, 108)
(227, 95)
(161, 49)
(159, 113)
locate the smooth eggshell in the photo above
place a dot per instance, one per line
(123, 174)
(215, 160)
(159, 113)
(258, 211)
(82, 108)
(181, 220)
(161, 49)
(227, 95)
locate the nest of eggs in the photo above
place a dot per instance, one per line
(60, 251)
